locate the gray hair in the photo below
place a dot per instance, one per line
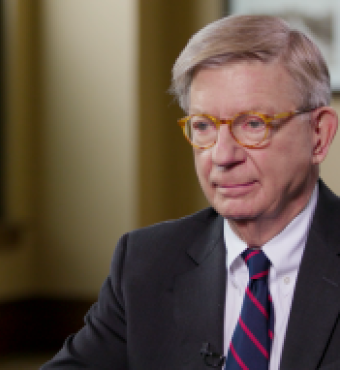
(254, 37)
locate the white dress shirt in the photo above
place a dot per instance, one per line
(284, 252)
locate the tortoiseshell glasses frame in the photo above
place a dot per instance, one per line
(250, 129)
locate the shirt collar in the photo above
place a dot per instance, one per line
(285, 249)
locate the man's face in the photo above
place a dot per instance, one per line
(242, 183)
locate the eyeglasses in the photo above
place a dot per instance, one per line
(249, 129)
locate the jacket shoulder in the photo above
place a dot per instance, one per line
(195, 220)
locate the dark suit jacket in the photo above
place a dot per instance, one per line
(166, 291)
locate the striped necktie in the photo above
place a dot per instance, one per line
(252, 339)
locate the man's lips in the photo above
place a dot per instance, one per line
(241, 184)
(235, 189)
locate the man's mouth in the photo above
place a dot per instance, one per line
(235, 185)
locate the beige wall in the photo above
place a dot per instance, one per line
(330, 169)
(89, 173)
(88, 112)
(107, 166)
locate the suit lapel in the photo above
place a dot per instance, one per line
(316, 302)
(200, 295)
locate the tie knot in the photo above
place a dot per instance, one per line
(257, 262)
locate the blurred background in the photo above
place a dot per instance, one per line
(89, 149)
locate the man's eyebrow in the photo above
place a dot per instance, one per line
(255, 108)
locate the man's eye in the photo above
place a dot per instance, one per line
(255, 124)
(200, 126)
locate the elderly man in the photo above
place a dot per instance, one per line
(254, 281)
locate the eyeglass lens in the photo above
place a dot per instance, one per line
(247, 129)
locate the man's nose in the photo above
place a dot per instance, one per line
(227, 151)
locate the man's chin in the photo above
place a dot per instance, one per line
(232, 213)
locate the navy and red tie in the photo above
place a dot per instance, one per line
(252, 339)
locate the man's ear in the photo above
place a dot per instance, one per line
(324, 126)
